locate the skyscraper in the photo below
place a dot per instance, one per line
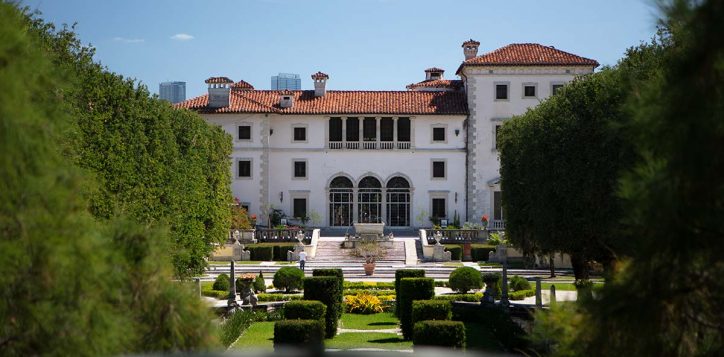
(173, 92)
(283, 81)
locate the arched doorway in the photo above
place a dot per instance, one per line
(341, 202)
(398, 202)
(369, 200)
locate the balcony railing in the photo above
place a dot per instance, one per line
(369, 145)
(265, 235)
(457, 235)
(497, 225)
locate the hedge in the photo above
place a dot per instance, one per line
(517, 283)
(280, 251)
(261, 252)
(455, 250)
(264, 297)
(439, 333)
(412, 289)
(288, 278)
(496, 319)
(481, 252)
(406, 273)
(303, 334)
(340, 275)
(464, 279)
(431, 310)
(369, 285)
(371, 292)
(305, 310)
(520, 294)
(460, 297)
(325, 289)
(218, 294)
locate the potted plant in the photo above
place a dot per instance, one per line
(370, 250)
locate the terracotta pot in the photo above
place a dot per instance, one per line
(369, 268)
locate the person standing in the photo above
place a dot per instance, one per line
(302, 259)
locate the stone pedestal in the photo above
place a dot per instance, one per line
(467, 252)
(293, 256)
(440, 255)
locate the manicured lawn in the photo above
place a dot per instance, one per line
(564, 286)
(387, 341)
(260, 335)
(452, 264)
(383, 321)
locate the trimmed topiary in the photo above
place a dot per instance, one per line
(412, 289)
(481, 252)
(406, 273)
(305, 310)
(518, 283)
(326, 290)
(259, 283)
(431, 310)
(465, 279)
(222, 283)
(302, 334)
(456, 251)
(439, 333)
(288, 278)
(340, 275)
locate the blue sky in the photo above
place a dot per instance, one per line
(361, 44)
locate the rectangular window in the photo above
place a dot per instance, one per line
(403, 129)
(497, 205)
(555, 88)
(300, 208)
(244, 132)
(335, 129)
(300, 134)
(529, 91)
(370, 129)
(352, 129)
(501, 91)
(244, 168)
(300, 169)
(438, 134)
(438, 169)
(386, 129)
(439, 208)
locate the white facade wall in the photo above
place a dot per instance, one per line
(273, 184)
(486, 113)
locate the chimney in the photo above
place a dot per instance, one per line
(470, 48)
(320, 82)
(434, 73)
(219, 88)
(286, 99)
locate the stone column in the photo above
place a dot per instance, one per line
(553, 295)
(361, 125)
(504, 286)
(383, 206)
(377, 129)
(232, 286)
(354, 205)
(344, 132)
(538, 297)
(394, 132)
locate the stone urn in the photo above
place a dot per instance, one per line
(369, 268)
(248, 297)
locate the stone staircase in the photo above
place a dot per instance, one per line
(332, 251)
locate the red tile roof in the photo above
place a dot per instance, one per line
(529, 54)
(320, 75)
(338, 102)
(218, 80)
(437, 83)
(242, 85)
(434, 69)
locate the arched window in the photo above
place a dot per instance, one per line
(340, 201)
(398, 202)
(369, 200)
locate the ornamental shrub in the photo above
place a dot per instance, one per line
(259, 283)
(406, 273)
(261, 252)
(460, 297)
(303, 334)
(439, 333)
(363, 304)
(412, 289)
(305, 310)
(325, 289)
(222, 283)
(340, 276)
(465, 279)
(520, 294)
(288, 278)
(431, 310)
(455, 250)
(517, 283)
(481, 252)
(264, 297)
(494, 279)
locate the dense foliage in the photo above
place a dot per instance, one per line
(412, 289)
(464, 279)
(325, 289)
(305, 310)
(300, 334)
(221, 283)
(363, 303)
(519, 283)
(431, 310)
(481, 252)
(288, 278)
(439, 333)
(456, 251)
(153, 163)
(72, 285)
(406, 273)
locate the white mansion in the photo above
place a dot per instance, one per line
(399, 157)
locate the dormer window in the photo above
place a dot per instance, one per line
(434, 75)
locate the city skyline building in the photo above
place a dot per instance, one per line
(174, 92)
(289, 81)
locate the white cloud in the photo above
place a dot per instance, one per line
(182, 37)
(128, 40)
